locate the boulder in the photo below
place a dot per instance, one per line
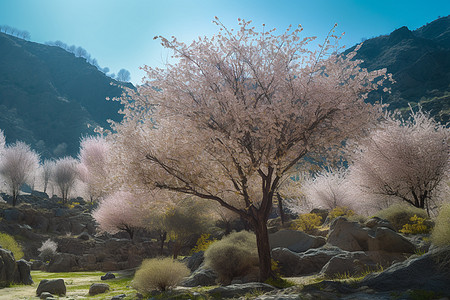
(428, 272)
(36, 264)
(376, 222)
(8, 267)
(299, 264)
(347, 235)
(63, 262)
(296, 241)
(24, 269)
(98, 288)
(390, 241)
(108, 276)
(46, 295)
(12, 215)
(195, 260)
(202, 276)
(351, 263)
(351, 236)
(54, 286)
(118, 297)
(237, 290)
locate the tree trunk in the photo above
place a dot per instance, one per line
(176, 249)
(130, 232)
(14, 198)
(262, 241)
(280, 207)
(162, 238)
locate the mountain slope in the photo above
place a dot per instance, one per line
(48, 96)
(420, 64)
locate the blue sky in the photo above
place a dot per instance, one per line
(119, 33)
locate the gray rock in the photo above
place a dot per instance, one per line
(388, 240)
(195, 260)
(351, 263)
(427, 272)
(63, 262)
(119, 297)
(202, 276)
(108, 276)
(24, 269)
(8, 267)
(376, 222)
(348, 236)
(309, 262)
(236, 290)
(351, 236)
(54, 286)
(98, 288)
(36, 264)
(84, 236)
(296, 241)
(12, 215)
(45, 295)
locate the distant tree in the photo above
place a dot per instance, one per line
(46, 173)
(72, 49)
(406, 160)
(17, 166)
(64, 176)
(123, 75)
(80, 52)
(93, 165)
(105, 70)
(121, 211)
(328, 189)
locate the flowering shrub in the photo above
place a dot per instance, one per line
(340, 211)
(307, 222)
(416, 227)
(48, 250)
(203, 243)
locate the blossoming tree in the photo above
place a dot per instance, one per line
(403, 160)
(232, 115)
(18, 164)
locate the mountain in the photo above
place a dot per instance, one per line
(49, 98)
(419, 61)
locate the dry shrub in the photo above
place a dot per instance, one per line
(235, 255)
(441, 232)
(400, 214)
(159, 274)
(8, 242)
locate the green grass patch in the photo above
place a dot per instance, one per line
(78, 283)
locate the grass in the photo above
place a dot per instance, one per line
(77, 284)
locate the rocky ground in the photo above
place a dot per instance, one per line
(350, 260)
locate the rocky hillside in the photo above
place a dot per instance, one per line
(419, 61)
(48, 97)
